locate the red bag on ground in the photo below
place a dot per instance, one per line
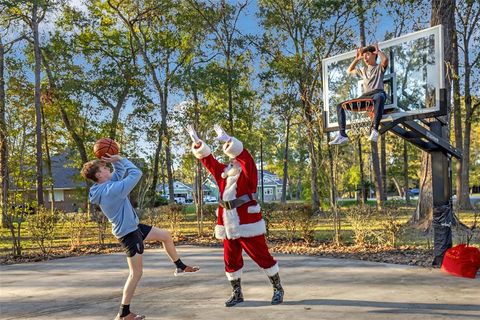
(462, 261)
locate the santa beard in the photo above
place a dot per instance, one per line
(231, 170)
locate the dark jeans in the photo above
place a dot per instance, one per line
(378, 96)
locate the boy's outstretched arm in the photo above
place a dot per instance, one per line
(352, 67)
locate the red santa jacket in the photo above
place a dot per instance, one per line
(234, 181)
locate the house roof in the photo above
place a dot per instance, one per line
(65, 173)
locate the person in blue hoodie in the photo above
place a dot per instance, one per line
(110, 191)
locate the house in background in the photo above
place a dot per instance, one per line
(68, 191)
(272, 189)
(272, 186)
(183, 192)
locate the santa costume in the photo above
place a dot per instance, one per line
(239, 219)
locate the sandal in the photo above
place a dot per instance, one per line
(130, 316)
(188, 269)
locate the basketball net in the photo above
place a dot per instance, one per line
(361, 114)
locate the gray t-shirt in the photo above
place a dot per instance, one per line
(372, 77)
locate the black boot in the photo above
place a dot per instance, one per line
(237, 295)
(277, 297)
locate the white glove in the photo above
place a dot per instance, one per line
(221, 134)
(193, 134)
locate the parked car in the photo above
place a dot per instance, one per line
(209, 199)
(180, 200)
(414, 192)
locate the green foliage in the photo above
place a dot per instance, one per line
(268, 208)
(75, 226)
(361, 219)
(41, 227)
(391, 224)
(102, 224)
(296, 218)
(210, 218)
(172, 215)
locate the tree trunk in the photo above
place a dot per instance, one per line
(463, 196)
(285, 161)
(166, 137)
(383, 152)
(398, 187)
(118, 107)
(63, 113)
(198, 174)
(406, 183)
(457, 116)
(230, 94)
(333, 195)
(361, 20)
(49, 161)
(443, 12)
(38, 115)
(378, 176)
(156, 161)
(3, 142)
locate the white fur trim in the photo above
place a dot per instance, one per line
(231, 222)
(216, 212)
(233, 149)
(252, 229)
(230, 191)
(272, 270)
(254, 209)
(201, 152)
(234, 275)
(220, 232)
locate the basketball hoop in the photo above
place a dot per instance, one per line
(361, 115)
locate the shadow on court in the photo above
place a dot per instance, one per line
(90, 287)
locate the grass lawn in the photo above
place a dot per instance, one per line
(187, 227)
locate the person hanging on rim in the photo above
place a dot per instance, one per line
(240, 222)
(372, 76)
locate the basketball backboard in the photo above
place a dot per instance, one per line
(412, 80)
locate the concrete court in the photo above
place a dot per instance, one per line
(90, 287)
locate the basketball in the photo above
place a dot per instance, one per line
(103, 146)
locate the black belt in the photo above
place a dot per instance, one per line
(235, 203)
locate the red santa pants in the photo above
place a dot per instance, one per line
(256, 247)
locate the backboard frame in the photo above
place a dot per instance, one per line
(436, 111)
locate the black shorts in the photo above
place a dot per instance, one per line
(132, 243)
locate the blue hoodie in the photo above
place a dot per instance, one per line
(112, 196)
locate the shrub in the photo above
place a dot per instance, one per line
(268, 208)
(102, 224)
(391, 227)
(361, 219)
(172, 215)
(41, 227)
(75, 224)
(295, 217)
(210, 216)
(152, 216)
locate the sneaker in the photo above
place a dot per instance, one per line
(130, 316)
(339, 139)
(187, 270)
(373, 136)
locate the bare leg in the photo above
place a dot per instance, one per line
(165, 237)
(135, 265)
